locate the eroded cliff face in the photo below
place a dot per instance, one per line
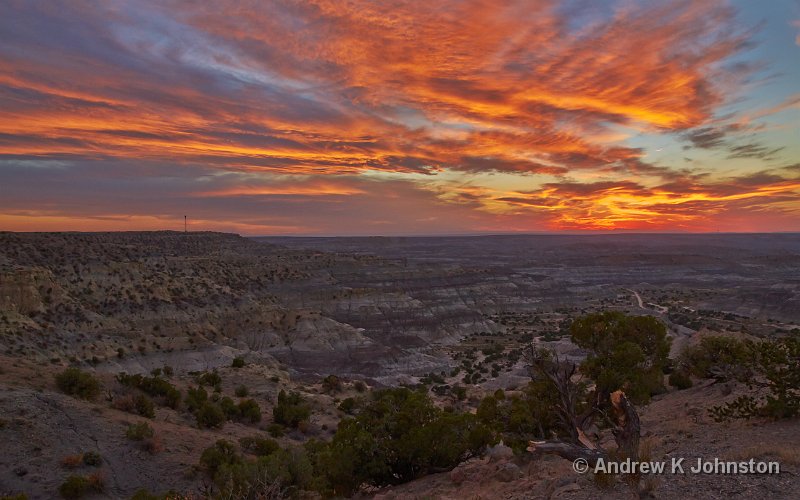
(102, 297)
(18, 292)
(28, 290)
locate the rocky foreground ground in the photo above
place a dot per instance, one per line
(41, 428)
(674, 425)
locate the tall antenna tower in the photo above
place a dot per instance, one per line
(185, 226)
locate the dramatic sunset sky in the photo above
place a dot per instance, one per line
(342, 117)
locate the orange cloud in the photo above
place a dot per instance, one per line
(313, 188)
(681, 205)
(327, 100)
(222, 102)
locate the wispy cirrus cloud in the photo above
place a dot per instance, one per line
(223, 102)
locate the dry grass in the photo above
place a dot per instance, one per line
(126, 403)
(153, 445)
(649, 485)
(97, 481)
(785, 454)
(647, 448)
(72, 461)
(603, 480)
(681, 427)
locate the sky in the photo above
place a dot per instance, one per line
(392, 117)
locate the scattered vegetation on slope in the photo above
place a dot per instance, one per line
(78, 383)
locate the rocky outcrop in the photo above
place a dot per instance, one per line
(27, 290)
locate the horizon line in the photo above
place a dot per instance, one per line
(428, 235)
(526, 233)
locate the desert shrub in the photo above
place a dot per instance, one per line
(229, 408)
(398, 436)
(144, 406)
(238, 362)
(210, 415)
(680, 380)
(18, 496)
(331, 384)
(129, 380)
(143, 494)
(291, 409)
(275, 430)
(518, 419)
(195, 398)
(212, 379)
(172, 398)
(279, 472)
(436, 378)
(92, 459)
(154, 386)
(139, 431)
(776, 367)
(250, 480)
(74, 487)
(292, 469)
(249, 411)
(722, 358)
(79, 486)
(625, 352)
(76, 382)
(440, 390)
(778, 363)
(348, 405)
(145, 435)
(241, 391)
(259, 446)
(492, 349)
(359, 386)
(222, 453)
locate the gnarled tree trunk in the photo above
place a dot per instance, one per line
(623, 416)
(626, 432)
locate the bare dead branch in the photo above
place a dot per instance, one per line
(567, 450)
